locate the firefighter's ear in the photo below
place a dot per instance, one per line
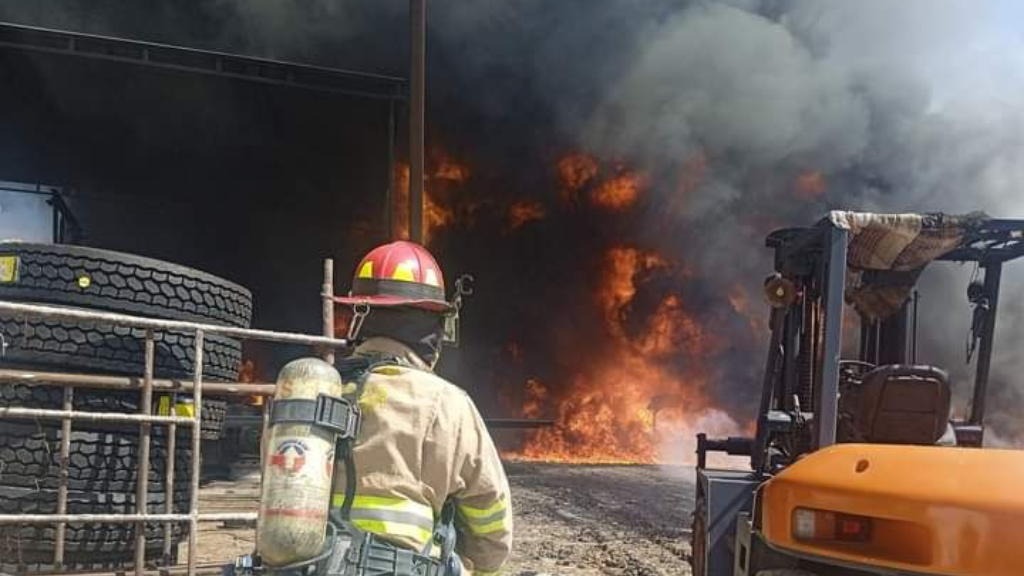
(450, 335)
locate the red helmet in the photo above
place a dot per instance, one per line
(398, 274)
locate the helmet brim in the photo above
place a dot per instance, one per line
(384, 301)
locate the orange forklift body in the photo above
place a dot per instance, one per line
(929, 510)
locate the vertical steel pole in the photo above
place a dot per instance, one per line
(327, 294)
(172, 448)
(417, 101)
(62, 488)
(389, 194)
(826, 413)
(145, 428)
(197, 399)
(993, 275)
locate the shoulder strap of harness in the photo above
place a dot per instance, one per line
(357, 369)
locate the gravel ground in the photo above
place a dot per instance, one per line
(591, 520)
(569, 520)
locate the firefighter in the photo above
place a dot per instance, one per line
(422, 444)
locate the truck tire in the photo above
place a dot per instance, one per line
(97, 461)
(91, 347)
(88, 537)
(102, 400)
(118, 282)
(214, 412)
(16, 561)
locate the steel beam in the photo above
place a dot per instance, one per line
(206, 62)
(417, 104)
(993, 276)
(826, 411)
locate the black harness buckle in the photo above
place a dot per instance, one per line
(339, 415)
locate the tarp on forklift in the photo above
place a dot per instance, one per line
(887, 253)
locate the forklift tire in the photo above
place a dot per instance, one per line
(118, 282)
(101, 400)
(90, 347)
(97, 461)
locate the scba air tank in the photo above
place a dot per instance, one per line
(298, 465)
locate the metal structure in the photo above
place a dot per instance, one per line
(417, 104)
(394, 90)
(805, 378)
(144, 419)
(206, 62)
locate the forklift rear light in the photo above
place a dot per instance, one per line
(823, 525)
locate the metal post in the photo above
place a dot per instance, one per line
(172, 447)
(389, 193)
(826, 411)
(62, 488)
(772, 368)
(417, 96)
(145, 428)
(197, 402)
(993, 275)
(327, 294)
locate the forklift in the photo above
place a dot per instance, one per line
(858, 465)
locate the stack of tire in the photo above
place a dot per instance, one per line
(103, 464)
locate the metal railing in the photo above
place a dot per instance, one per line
(145, 419)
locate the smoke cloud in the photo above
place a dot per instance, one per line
(743, 116)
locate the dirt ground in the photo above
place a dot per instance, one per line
(569, 520)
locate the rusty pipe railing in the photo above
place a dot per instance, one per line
(145, 419)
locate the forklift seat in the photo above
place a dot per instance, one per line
(897, 404)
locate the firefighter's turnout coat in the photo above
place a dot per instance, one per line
(421, 443)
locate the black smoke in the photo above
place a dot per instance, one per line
(899, 106)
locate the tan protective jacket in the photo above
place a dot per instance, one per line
(422, 442)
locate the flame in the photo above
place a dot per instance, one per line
(575, 172)
(247, 372)
(524, 211)
(619, 192)
(448, 169)
(810, 185)
(634, 404)
(437, 214)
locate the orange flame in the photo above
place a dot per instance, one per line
(619, 192)
(523, 212)
(630, 406)
(575, 172)
(436, 214)
(448, 169)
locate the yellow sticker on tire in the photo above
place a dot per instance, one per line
(8, 269)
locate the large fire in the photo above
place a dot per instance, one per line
(634, 405)
(643, 396)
